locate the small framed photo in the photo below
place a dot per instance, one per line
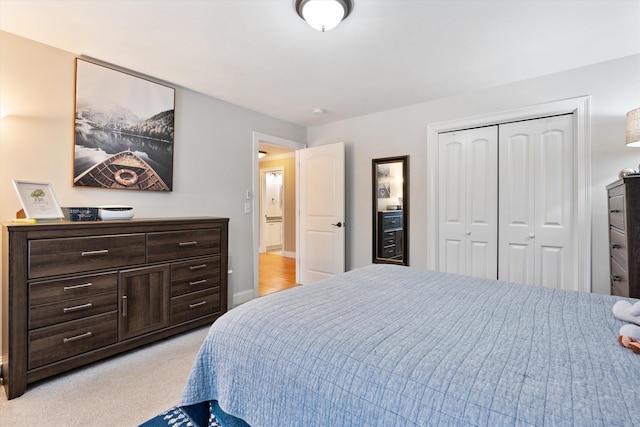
(38, 200)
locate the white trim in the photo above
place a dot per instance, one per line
(580, 107)
(242, 297)
(274, 140)
(288, 254)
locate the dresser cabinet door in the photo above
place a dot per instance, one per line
(144, 295)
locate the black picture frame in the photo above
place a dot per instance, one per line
(123, 130)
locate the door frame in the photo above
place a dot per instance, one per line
(580, 108)
(273, 140)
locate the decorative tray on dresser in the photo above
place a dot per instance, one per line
(624, 236)
(77, 292)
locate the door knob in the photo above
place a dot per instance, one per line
(339, 224)
(532, 235)
(468, 233)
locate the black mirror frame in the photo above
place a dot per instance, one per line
(405, 210)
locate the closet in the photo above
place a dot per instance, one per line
(506, 202)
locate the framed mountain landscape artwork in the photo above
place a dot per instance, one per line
(123, 130)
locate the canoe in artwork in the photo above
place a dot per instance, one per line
(124, 170)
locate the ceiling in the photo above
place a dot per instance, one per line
(260, 55)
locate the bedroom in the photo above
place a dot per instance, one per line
(37, 84)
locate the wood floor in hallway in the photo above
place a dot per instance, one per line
(276, 273)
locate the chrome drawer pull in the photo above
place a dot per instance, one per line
(77, 307)
(70, 288)
(614, 210)
(616, 278)
(197, 304)
(124, 306)
(77, 337)
(198, 282)
(197, 267)
(91, 253)
(192, 243)
(615, 246)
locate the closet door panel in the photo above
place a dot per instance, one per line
(482, 202)
(515, 265)
(468, 202)
(554, 202)
(451, 201)
(453, 260)
(536, 199)
(516, 202)
(551, 266)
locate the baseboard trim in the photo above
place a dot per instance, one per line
(242, 297)
(288, 254)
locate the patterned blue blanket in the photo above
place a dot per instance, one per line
(395, 346)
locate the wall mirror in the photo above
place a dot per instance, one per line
(391, 210)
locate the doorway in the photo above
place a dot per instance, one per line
(274, 214)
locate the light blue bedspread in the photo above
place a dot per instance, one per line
(395, 346)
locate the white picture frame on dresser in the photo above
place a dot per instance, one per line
(38, 200)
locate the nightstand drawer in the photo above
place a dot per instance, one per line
(194, 305)
(618, 242)
(616, 211)
(166, 246)
(50, 257)
(62, 290)
(53, 343)
(195, 275)
(72, 309)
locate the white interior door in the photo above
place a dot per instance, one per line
(468, 202)
(321, 203)
(536, 202)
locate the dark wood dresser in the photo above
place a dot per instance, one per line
(390, 234)
(624, 236)
(77, 292)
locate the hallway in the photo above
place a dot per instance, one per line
(276, 273)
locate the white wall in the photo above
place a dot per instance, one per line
(614, 88)
(212, 157)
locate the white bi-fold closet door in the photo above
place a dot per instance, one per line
(468, 202)
(511, 218)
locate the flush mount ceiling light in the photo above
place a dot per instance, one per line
(323, 15)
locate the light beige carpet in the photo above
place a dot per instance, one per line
(124, 390)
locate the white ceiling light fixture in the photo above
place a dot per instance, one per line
(323, 15)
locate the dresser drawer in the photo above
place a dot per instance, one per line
(62, 290)
(194, 305)
(619, 279)
(50, 257)
(616, 211)
(389, 238)
(618, 242)
(166, 246)
(72, 309)
(388, 251)
(195, 275)
(391, 222)
(53, 343)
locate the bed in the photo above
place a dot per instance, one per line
(387, 345)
